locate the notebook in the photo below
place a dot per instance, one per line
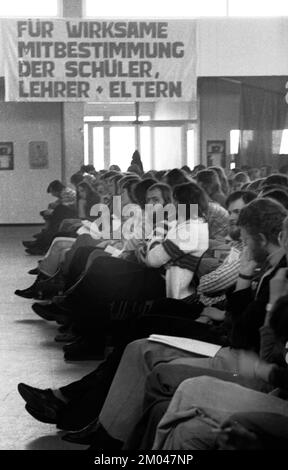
(187, 344)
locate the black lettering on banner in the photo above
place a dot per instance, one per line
(108, 68)
(35, 28)
(36, 68)
(109, 59)
(121, 29)
(53, 89)
(149, 89)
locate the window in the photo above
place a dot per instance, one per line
(29, 8)
(234, 141)
(155, 9)
(284, 143)
(98, 148)
(86, 145)
(122, 146)
(190, 148)
(122, 118)
(145, 147)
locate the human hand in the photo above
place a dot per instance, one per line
(247, 361)
(252, 367)
(247, 263)
(235, 436)
(140, 253)
(213, 313)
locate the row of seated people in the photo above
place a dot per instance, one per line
(92, 187)
(173, 284)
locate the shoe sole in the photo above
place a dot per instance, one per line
(29, 296)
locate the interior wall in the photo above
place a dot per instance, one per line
(219, 112)
(242, 46)
(73, 139)
(23, 190)
(72, 113)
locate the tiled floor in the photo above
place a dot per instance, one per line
(28, 351)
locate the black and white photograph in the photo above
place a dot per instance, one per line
(144, 230)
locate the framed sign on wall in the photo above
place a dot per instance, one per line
(38, 155)
(6, 156)
(216, 153)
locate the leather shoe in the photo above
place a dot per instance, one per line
(26, 293)
(65, 337)
(50, 312)
(28, 243)
(44, 401)
(86, 435)
(35, 251)
(40, 415)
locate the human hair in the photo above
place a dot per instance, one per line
(245, 168)
(241, 177)
(187, 169)
(265, 216)
(255, 185)
(222, 177)
(136, 160)
(192, 193)
(279, 318)
(115, 180)
(91, 195)
(276, 178)
(149, 174)
(141, 189)
(114, 168)
(159, 175)
(165, 190)
(236, 170)
(109, 174)
(209, 180)
(87, 169)
(76, 178)
(55, 186)
(246, 196)
(278, 195)
(129, 185)
(198, 168)
(124, 179)
(175, 177)
(134, 168)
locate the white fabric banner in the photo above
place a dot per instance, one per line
(107, 60)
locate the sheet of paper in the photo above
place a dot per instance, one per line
(187, 344)
(114, 252)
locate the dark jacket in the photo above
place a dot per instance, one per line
(246, 312)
